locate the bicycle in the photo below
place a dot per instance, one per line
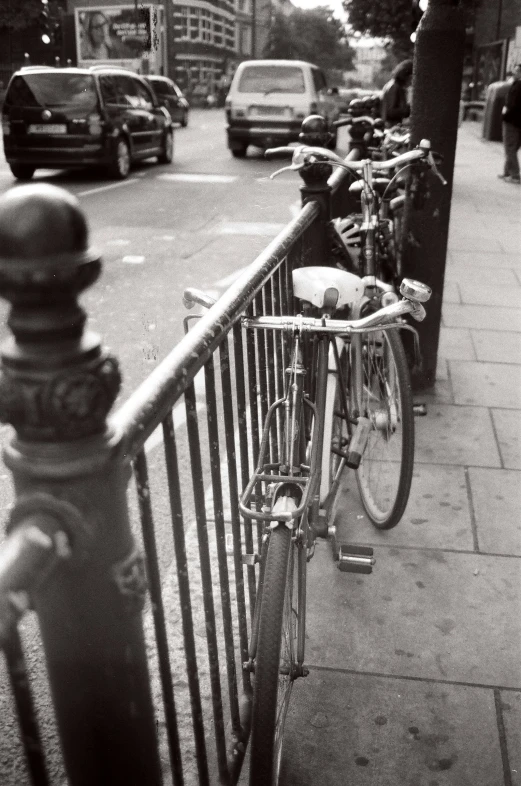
(346, 403)
(382, 204)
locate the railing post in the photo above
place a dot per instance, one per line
(57, 385)
(317, 250)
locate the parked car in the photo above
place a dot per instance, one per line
(171, 97)
(269, 99)
(60, 118)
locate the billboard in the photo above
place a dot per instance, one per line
(118, 35)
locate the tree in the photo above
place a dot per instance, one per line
(313, 35)
(391, 19)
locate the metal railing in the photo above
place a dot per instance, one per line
(143, 592)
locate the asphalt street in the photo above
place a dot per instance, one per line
(196, 222)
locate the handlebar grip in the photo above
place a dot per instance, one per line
(278, 152)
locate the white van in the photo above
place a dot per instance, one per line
(269, 99)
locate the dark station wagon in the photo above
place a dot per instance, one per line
(60, 118)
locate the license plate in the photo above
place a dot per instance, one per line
(48, 128)
(268, 111)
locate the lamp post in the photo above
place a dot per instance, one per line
(436, 89)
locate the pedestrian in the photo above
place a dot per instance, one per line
(511, 118)
(394, 103)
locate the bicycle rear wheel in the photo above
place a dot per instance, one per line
(385, 473)
(275, 659)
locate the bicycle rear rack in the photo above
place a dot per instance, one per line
(275, 475)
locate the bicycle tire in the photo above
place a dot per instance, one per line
(276, 653)
(384, 476)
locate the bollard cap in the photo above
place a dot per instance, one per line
(42, 226)
(314, 131)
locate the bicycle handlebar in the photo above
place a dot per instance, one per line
(377, 320)
(305, 154)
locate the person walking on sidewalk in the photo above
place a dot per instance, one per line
(394, 104)
(511, 118)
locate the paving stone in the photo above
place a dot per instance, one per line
(508, 430)
(465, 242)
(510, 242)
(481, 294)
(441, 393)
(486, 384)
(426, 613)
(451, 292)
(352, 729)
(456, 344)
(496, 261)
(437, 514)
(456, 435)
(497, 345)
(481, 317)
(496, 497)
(511, 713)
(468, 273)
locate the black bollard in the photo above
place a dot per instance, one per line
(57, 385)
(316, 188)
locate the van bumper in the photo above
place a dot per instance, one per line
(263, 134)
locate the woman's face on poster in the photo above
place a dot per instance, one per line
(98, 26)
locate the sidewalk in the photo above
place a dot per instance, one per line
(415, 671)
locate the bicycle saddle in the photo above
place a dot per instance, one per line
(327, 286)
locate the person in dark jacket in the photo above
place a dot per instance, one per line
(511, 118)
(394, 105)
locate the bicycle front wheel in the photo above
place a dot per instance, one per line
(385, 473)
(275, 657)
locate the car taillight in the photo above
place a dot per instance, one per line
(313, 108)
(94, 122)
(6, 127)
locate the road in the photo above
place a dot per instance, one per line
(198, 222)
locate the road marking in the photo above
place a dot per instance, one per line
(107, 187)
(249, 228)
(295, 208)
(133, 260)
(187, 178)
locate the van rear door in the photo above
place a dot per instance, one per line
(271, 92)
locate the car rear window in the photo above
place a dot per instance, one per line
(272, 79)
(161, 88)
(53, 90)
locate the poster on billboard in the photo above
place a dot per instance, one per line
(116, 34)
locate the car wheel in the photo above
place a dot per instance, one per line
(167, 149)
(184, 119)
(239, 151)
(120, 164)
(22, 171)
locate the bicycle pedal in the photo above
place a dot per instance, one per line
(355, 559)
(419, 409)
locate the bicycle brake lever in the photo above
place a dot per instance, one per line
(286, 169)
(417, 311)
(432, 163)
